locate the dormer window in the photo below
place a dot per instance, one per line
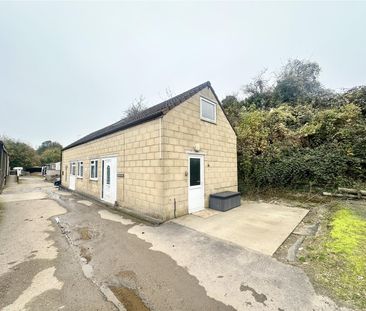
(208, 110)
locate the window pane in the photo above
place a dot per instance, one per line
(73, 168)
(93, 168)
(108, 175)
(195, 172)
(208, 110)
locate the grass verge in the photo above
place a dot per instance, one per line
(338, 256)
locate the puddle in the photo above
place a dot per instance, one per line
(261, 298)
(129, 299)
(84, 253)
(85, 233)
(115, 217)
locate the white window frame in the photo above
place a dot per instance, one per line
(73, 168)
(80, 164)
(202, 99)
(96, 161)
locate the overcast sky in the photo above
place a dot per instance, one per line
(67, 69)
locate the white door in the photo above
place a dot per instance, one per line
(72, 180)
(109, 180)
(196, 183)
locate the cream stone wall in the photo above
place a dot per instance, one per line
(182, 129)
(138, 157)
(153, 157)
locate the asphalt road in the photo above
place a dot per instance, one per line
(38, 268)
(94, 252)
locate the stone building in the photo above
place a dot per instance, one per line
(162, 163)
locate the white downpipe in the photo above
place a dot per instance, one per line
(160, 140)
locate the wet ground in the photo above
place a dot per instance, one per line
(63, 252)
(38, 268)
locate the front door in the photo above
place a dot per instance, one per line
(109, 180)
(195, 183)
(72, 180)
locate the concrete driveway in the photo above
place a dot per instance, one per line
(262, 227)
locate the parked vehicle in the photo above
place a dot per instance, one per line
(19, 170)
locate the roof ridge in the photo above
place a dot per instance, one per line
(143, 116)
(171, 100)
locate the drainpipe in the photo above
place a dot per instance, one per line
(175, 208)
(161, 121)
(61, 165)
(124, 167)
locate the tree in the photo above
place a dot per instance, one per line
(48, 144)
(232, 107)
(21, 154)
(298, 81)
(357, 96)
(135, 108)
(258, 92)
(51, 155)
(49, 152)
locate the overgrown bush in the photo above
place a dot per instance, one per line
(316, 140)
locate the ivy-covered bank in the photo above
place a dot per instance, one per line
(296, 134)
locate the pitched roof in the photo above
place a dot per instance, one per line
(143, 116)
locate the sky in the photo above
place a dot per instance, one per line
(69, 68)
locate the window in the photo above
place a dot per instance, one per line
(94, 169)
(208, 110)
(80, 168)
(108, 174)
(72, 168)
(194, 172)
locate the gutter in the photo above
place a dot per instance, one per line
(132, 124)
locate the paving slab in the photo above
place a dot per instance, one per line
(262, 227)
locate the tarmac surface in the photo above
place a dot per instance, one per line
(63, 252)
